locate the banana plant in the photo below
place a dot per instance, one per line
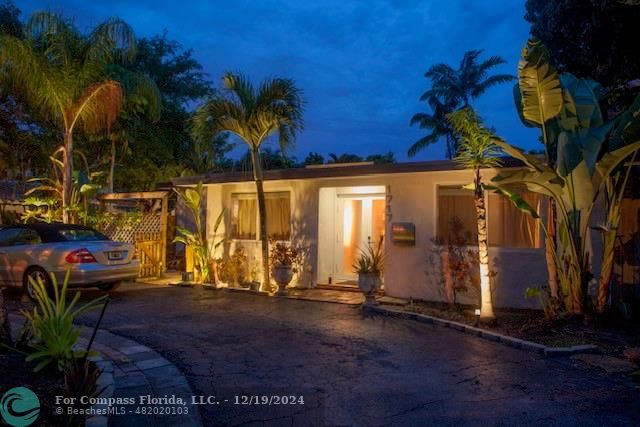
(197, 240)
(575, 193)
(575, 135)
(538, 98)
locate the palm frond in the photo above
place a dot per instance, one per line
(98, 107)
(424, 121)
(423, 142)
(111, 41)
(27, 73)
(141, 94)
(218, 115)
(483, 86)
(241, 88)
(476, 147)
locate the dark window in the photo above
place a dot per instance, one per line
(81, 235)
(8, 236)
(19, 236)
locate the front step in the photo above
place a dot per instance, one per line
(338, 287)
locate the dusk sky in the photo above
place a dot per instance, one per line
(361, 64)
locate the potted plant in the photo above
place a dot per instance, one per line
(369, 266)
(282, 261)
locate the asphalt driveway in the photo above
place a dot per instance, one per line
(355, 370)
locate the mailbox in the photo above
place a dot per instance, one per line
(403, 233)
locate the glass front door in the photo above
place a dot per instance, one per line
(360, 223)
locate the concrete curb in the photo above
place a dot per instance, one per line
(483, 333)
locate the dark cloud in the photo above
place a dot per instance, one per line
(360, 63)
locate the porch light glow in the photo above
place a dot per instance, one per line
(348, 224)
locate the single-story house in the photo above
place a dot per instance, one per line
(331, 211)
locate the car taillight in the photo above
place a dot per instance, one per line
(81, 256)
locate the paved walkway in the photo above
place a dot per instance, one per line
(355, 370)
(131, 370)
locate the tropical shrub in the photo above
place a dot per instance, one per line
(453, 265)
(51, 323)
(197, 239)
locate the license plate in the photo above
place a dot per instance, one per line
(116, 256)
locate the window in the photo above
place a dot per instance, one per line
(509, 226)
(245, 220)
(81, 235)
(19, 236)
(456, 216)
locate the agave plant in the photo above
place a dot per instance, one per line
(51, 323)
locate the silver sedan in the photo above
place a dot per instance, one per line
(36, 250)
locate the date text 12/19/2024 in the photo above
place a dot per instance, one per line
(244, 399)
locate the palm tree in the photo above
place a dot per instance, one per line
(452, 89)
(477, 150)
(253, 115)
(437, 122)
(61, 73)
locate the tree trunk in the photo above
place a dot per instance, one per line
(262, 214)
(486, 303)
(112, 165)
(67, 177)
(550, 249)
(5, 329)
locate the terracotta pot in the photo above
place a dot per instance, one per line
(282, 274)
(369, 284)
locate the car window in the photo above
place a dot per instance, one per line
(81, 235)
(8, 236)
(19, 236)
(27, 237)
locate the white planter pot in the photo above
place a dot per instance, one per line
(282, 274)
(369, 284)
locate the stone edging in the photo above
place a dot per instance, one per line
(483, 333)
(132, 369)
(128, 366)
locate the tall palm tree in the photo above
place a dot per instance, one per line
(61, 72)
(253, 114)
(452, 89)
(477, 150)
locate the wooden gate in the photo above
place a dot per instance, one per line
(148, 234)
(150, 252)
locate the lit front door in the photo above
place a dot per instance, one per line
(360, 222)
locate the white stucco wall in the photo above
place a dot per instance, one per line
(411, 197)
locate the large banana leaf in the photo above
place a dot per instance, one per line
(581, 109)
(515, 198)
(627, 126)
(528, 159)
(540, 90)
(611, 160)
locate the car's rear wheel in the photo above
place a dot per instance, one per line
(35, 273)
(107, 287)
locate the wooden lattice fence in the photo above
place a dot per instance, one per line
(147, 232)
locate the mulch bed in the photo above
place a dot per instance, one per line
(46, 384)
(531, 325)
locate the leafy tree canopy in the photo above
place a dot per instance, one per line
(590, 39)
